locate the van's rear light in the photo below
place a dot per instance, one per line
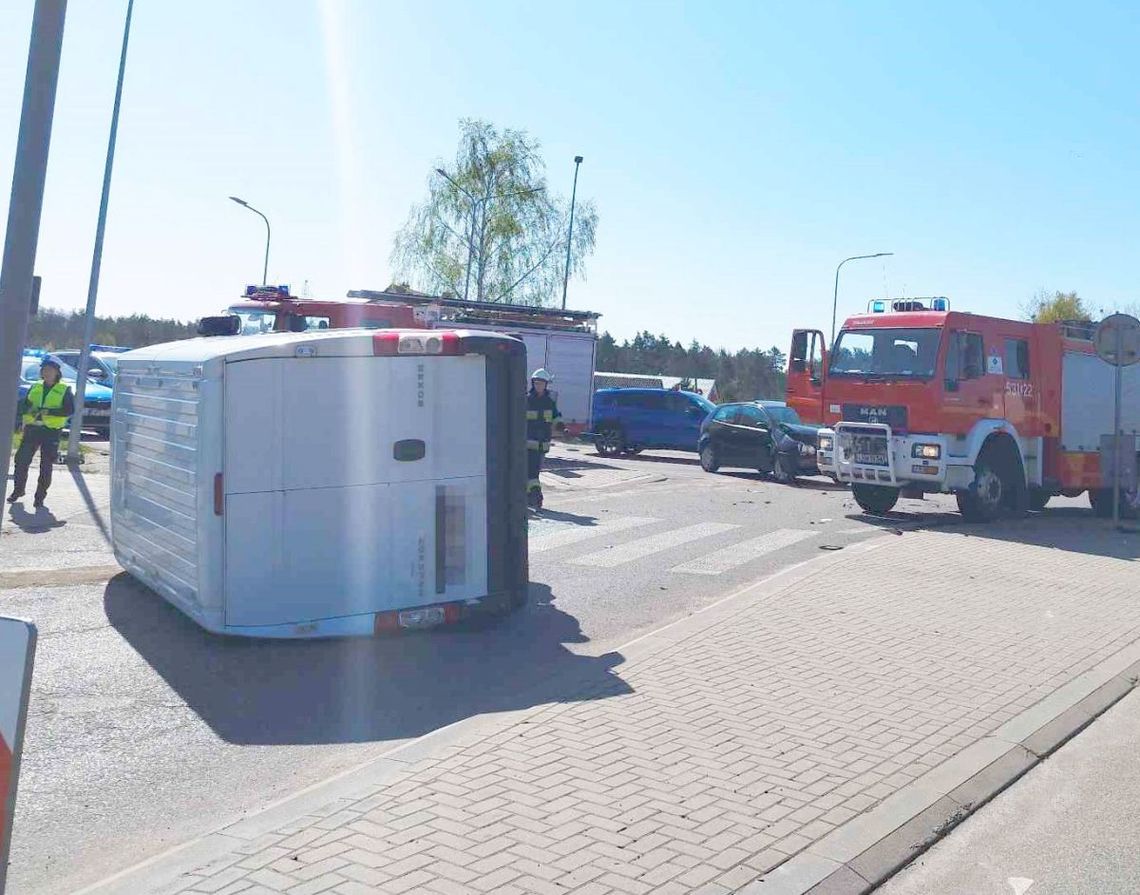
(391, 344)
(219, 494)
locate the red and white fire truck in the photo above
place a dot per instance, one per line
(269, 309)
(1004, 414)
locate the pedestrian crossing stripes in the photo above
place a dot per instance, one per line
(574, 534)
(743, 552)
(639, 549)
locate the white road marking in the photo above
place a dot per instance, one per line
(1020, 884)
(744, 552)
(574, 533)
(639, 549)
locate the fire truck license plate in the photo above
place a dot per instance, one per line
(871, 450)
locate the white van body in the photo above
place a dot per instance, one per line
(301, 484)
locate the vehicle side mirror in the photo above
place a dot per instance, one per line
(221, 325)
(96, 373)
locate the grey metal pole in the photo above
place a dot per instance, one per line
(835, 295)
(25, 205)
(268, 233)
(97, 258)
(570, 233)
(1117, 435)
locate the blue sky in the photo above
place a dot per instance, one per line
(735, 151)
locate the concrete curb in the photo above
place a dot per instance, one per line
(869, 849)
(164, 871)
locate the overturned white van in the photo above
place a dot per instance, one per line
(323, 483)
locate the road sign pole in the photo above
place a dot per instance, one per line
(24, 208)
(1118, 440)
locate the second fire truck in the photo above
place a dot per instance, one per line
(1004, 414)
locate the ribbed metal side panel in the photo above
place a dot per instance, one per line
(157, 474)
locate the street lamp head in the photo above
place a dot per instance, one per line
(441, 172)
(882, 254)
(577, 159)
(239, 201)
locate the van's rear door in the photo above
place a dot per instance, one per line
(373, 496)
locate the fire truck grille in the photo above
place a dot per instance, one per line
(869, 450)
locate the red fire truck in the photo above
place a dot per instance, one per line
(272, 309)
(1003, 414)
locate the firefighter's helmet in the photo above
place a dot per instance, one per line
(542, 376)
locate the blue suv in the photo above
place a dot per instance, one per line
(628, 420)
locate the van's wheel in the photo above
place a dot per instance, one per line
(998, 488)
(610, 441)
(1038, 497)
(875, 500)
(631, 451)
(709, 460)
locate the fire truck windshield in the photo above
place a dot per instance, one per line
(253, 322)
(883, 352)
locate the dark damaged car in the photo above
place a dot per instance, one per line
(767, 436)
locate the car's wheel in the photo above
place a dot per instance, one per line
(1038, 498)
(997, 488)
(610, 440)
(103, 431)
(632, 451)
(875, 500)
(709, 460)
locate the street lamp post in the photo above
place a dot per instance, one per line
(570, 231)
(835, 297)
(73, 439)
(265, 268)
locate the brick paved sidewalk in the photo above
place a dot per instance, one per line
(724, 744)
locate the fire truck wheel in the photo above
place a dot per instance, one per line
(709, 461)
(610, 440)
(996, 489)
(875, 500)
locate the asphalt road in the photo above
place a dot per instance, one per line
(1065, 828)
(145, 731)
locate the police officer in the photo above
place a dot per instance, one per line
(44, 412)
(541, 412)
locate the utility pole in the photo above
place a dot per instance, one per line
(570, 232)
(97, 259)
(22, 233)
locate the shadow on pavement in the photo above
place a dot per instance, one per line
(35, 522)
(89, 502)
(560, 464)
(273, 692)
(572, 518)
(659, 458)
(1071, 528)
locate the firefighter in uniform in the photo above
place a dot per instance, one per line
(44, 412)
(541, 412)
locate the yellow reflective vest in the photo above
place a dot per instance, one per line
(38, 401)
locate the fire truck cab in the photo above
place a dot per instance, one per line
(266, 309)
(918, 398)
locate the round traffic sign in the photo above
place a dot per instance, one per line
(1117, 339)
